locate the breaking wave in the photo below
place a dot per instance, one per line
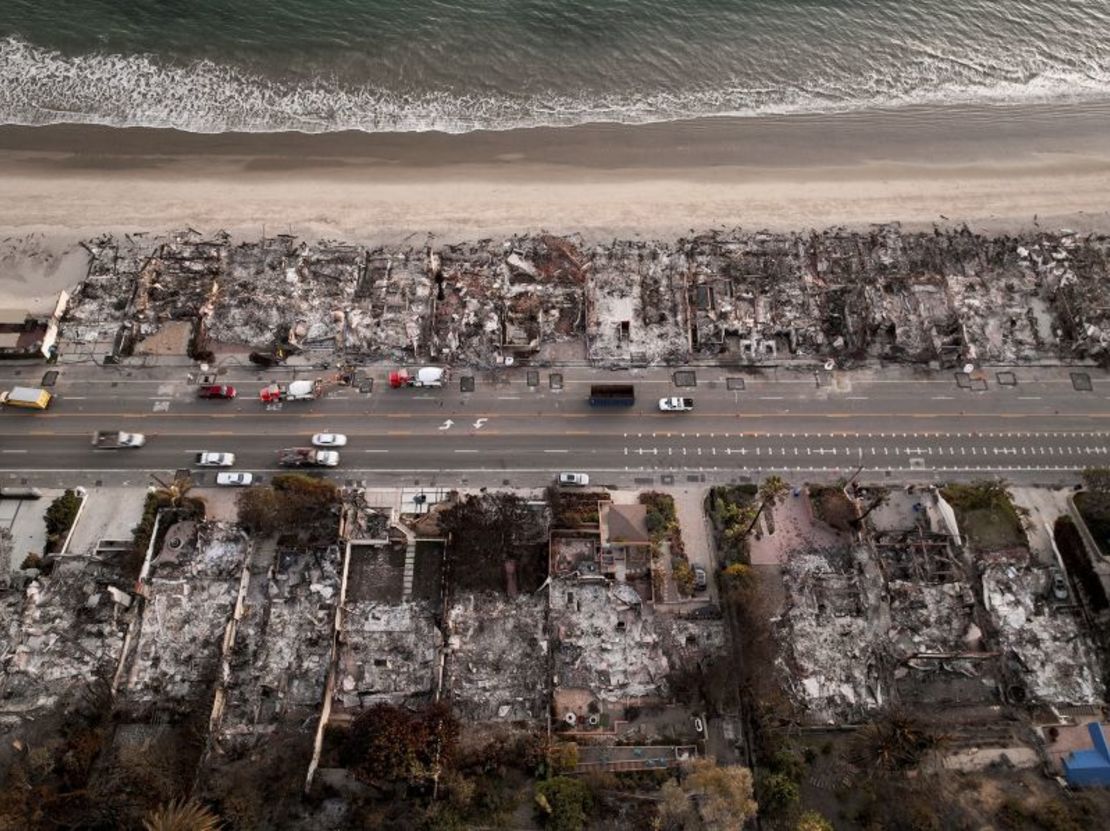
(39, 86)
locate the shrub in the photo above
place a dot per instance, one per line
(683, 576)
(563, 803)
(59, 519)
(777, 793)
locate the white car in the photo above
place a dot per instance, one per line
(327, 458)
(676, 405)
(329, 440)
(210, 459)
(576, 479)
(234, 479)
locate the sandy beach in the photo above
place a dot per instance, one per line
(995, 168)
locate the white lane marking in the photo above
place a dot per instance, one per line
(446, 425)
(508, 398)
(942, 397)
(1029, 398)
(855, 398)
(466, 451)
(375, 451)
(770, 398)
(79, 397)
(13, 451)
(556, 451)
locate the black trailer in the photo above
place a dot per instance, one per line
(612, 395)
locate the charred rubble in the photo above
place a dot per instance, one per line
(947, 297)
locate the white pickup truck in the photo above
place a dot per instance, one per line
(210, 459)
(116, 440)
(676, 405)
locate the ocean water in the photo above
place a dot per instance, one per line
(460, 65)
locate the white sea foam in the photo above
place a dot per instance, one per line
(39, 86)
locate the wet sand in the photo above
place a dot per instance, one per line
(993, 167)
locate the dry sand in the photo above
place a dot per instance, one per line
(995, 168)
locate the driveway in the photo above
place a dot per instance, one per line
(108, 514)
(696, 538)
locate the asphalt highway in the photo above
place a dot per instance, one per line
(521, 427)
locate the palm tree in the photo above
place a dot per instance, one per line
(173, 493)
(772, 490)
(181, 815)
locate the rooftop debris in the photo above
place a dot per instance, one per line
(616, 649)
(1048, 656)
(497, 657)
(898, 619)
(388, 654)
(70, 631)
(279, 660)
(949, 297)
(191, 594)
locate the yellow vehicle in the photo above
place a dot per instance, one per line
(31, 397)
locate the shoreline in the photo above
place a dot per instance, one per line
(995, 168)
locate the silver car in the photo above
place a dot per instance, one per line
(234, 479)
(574, 479)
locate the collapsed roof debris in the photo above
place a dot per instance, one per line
(388, 654)
(833, 652)
(70, 632)
(949, 297)
(191, 594)
(897, 620)
(1047, 652)
(619, 650)
(279, 660)
(497, 657)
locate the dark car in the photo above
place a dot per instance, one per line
(216, 391)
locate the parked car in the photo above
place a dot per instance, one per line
(574, 479)
(234, 479)
(700, 579)
(209, 459)
(329, 440)
(676, 405)
(1059, 586)
(216, 391)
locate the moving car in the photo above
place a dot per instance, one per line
(234, 479)
(209, 459)
(216, 391)
(116, 440)
(574, 479)
(307, 457)
(676, 405)
(329, 440)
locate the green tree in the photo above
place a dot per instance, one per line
(778, 793)
(60, 517)
(563, 803)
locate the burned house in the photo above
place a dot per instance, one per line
(945, 298)
(191, 596)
